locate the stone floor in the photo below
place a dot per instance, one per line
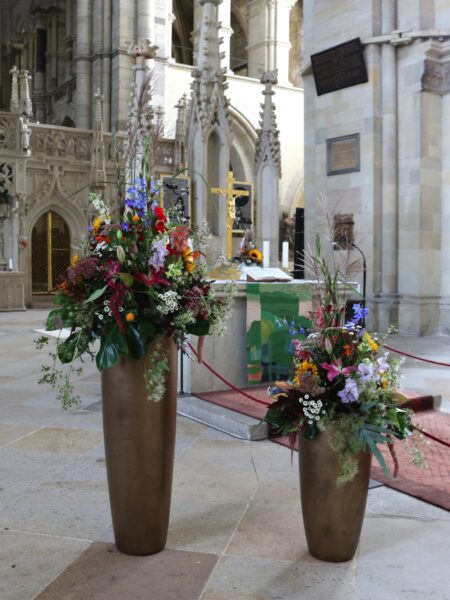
(235, 531)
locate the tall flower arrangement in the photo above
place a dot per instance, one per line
(138, 279)
(342, 380)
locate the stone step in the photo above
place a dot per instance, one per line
(222, 419)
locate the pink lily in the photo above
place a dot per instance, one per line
(336, 369)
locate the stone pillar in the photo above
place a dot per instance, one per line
(123, 33)
(106, 64)
(445, 197)
(146, 20)
(69, 40)
(268, 38)
(389, 152)
(97, 51)
(39, 89)
(52, 54)
(83, 64)
(225, 32)
(258, 31)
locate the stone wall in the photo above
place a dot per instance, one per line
(400, 195)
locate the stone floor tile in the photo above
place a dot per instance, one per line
(384, 501)
(182, 443)
(189, 427)
(279, 501)
(103, 573)
(17, 465)
(274, 457)
(202, 526)
(259, 579)
(82, 419)
(10, 433)
(71, 509)
(29, 562)
(29, 415)
(404, 559)
(57, 439)
(11, 490)
(200, 481)
(236, 454)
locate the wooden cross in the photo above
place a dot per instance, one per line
(230, 194)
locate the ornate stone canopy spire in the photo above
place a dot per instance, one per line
(268, 144)
(14, 102)
(209, 103)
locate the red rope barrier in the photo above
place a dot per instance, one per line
(227, 383)
(427, 360)
(239, 391)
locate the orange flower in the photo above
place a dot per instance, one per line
(188, 260)
(255, 255)
(135, 218)
(74, 260)
(130, 317)
(97, 224)
(347, 350)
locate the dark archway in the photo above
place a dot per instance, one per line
(50, 252)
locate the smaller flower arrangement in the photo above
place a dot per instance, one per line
(342, 381)
(249, 253)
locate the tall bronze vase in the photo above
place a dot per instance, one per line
(332, 514)
(139, 447)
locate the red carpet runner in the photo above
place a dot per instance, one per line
(431, 484)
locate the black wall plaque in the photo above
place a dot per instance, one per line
(339, 67)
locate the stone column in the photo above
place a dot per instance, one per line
(123, 34)
(445, 197)
(69, 40)
(83, 64)
(106, 64)
(225, 31)
(389, 152)
(39, 89)
(52, 53)
(146, 20)
(279, 42)
(258, 31)
(97, 50)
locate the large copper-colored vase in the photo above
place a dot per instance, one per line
(332, 514)
(139, 446)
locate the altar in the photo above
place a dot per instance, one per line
(256, 346)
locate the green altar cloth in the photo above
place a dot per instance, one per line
(273, 310)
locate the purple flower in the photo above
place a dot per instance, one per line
(349, 393)
(366, 373)
(359, 314)
(159, 252)
(125, 227)
(383, 364)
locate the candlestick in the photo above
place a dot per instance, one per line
(10, 264)
(266, 254)
(285, 256)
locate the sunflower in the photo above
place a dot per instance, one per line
(255, 255)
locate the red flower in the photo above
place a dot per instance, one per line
(160, 227)
(159, 214)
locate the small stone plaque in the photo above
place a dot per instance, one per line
(339, 67)
(343, 154)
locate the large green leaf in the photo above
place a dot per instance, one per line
(136, 342)
(95, 295)
(198, 328)
(52, 315)
(66, 349)
(107, 356)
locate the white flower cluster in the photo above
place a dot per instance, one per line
(169, 302)
(311, 409)
(100, 207)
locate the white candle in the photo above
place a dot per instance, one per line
(266, 254)
(285, 255)
(10, 267)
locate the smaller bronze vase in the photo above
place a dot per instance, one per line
(332, 514)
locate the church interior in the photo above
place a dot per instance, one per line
(254, 125)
